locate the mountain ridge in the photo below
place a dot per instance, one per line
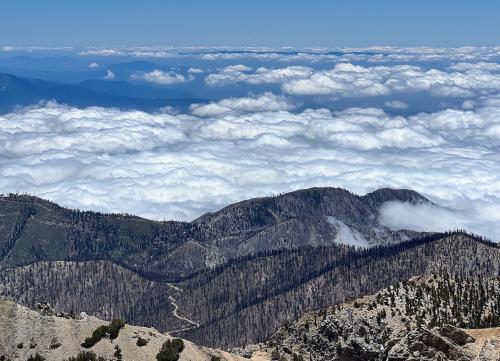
(35, 229)
(18, 91)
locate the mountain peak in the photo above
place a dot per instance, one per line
(382, 195)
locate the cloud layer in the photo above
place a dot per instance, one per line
(348, 80)
(167, 166)
(160, 77)
(378, 54)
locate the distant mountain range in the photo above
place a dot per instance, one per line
(17, 91)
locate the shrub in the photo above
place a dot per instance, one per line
(114, 328)
(141, 342)
(178, 344)
(118, 353)
(98, 334)
(214, 358)
(170, 350)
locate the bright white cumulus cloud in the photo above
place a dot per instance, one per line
(161, 77)
(349, 80)
(265, 102)
(234, 74)
(178, 166)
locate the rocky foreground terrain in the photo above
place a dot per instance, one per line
(58, 336)
(239, 277)
(410, 321)
(437, 317)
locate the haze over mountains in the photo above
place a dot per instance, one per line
(23, 92)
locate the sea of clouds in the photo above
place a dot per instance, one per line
(179, 165)
(463, 80)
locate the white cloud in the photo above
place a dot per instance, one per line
(109, 75)
(267, 102)
(160, 77)
(480, 216)
(177, 166)
(195, 71)
(396, 104)
(475, 66)
(468, 104)
(101, 52)
(379, 54)
(243, 74)
(354, 80)
(349, 80)
(420, 217)
(93, 65)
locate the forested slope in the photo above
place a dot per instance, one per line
(32, 229)
(257, 295)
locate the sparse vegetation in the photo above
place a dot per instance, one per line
(36, 357)
(112, 331)
(118, 353)
(170, 350)
(141, 342)
(114, 328)
(257, 305)
(98, 334)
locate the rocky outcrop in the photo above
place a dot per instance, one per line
(46, 309)
(437, 344)
(399, 324)
(490, 350)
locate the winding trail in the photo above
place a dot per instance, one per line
(193, 324)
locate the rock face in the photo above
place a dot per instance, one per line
(25, 332)
(433, 345)
(394, 326)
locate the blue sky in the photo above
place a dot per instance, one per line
(249, 23)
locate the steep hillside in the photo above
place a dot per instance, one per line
(257, 295)
(99, 288)
(25, 333)
(411, 320)
(32, 230)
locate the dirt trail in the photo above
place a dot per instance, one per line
(193, 324)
